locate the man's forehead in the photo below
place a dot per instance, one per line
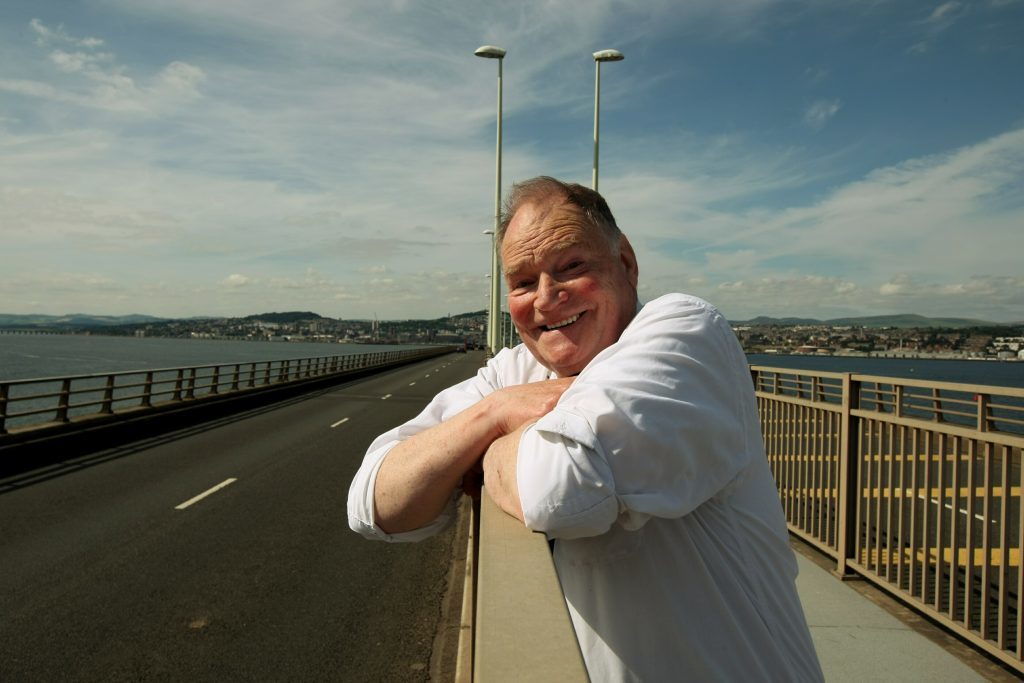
(539, 231)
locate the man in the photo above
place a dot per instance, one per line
(629, 435)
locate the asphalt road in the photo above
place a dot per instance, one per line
(106, 574)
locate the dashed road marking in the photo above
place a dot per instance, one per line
(341, 421)
(205, 493)
(385, 397)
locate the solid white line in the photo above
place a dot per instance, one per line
(204, 494)
(385, 397)
(341, 421)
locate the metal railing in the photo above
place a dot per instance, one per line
(912, 485)
(39, 403)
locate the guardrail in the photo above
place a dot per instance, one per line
(912, 485)
(516, 626)
(40, 403)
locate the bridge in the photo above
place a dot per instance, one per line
(189, 538)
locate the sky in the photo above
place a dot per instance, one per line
(803, 158)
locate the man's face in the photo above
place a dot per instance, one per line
(570, 295)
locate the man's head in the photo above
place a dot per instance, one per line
(571, 273)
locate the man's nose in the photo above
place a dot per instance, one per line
(550, 293)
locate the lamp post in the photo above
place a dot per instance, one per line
(600, 56)
(492, 52)
(490, 303)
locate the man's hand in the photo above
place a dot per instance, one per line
(418, 476)
(515, 406)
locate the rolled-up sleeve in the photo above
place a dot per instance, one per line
(361, 513)
(652, 427)
(510, 366)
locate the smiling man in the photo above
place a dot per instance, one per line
(627, 434)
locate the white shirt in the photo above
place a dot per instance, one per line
(672, 548)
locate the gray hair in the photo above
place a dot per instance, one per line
(545, 188)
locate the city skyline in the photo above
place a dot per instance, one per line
(777, 158)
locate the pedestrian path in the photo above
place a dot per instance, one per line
(863, 635)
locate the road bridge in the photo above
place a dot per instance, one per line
(115, 566)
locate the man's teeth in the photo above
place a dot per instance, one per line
(569, 321)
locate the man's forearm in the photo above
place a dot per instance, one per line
(500, 473)
(419, 475)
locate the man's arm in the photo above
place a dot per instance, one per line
(500, 472)
(418, 475)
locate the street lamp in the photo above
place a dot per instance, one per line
(600, 56)
(492, 52)
(490, 278)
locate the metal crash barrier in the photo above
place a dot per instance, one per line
(40, 403)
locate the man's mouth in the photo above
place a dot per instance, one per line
(564, 323)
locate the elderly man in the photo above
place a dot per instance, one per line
(629, 435)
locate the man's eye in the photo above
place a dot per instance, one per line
(522, 284)
(572, 265)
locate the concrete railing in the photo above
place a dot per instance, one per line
(518, 624)
(33, 404)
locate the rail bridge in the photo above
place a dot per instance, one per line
(189, 522)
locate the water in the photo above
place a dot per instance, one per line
(985, 372)
(31, 356)
(25, 356)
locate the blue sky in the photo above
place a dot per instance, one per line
(776, 157)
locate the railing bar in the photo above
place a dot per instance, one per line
(1004, 547)
(915, 449)
(901, 517)
(1019, 639)
(969, 542)
(829, 479)
(986, 543)
(927, 532)
(803, 466)
(940, 513)
(880, 530)
(890, 537)
(954, 531)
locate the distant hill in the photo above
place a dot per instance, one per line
(904, 320)
(80, 321)
(73, 320)
(287, 317)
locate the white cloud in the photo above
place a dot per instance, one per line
(237, 280)
(821, 112)
(103, 83)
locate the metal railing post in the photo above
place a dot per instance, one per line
(846, 521)
(64, 401)
(147, 390)
(108, 397)
(3, 408)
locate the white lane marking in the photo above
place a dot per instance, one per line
(204, 494)
(339, 422)
(962, 511)
(412, 384)
(385, 397)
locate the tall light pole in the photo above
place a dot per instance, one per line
(492, 52)
(600, 56)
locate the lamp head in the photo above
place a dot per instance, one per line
(490, 52)
(607, 56)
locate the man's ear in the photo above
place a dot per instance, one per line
(628, 260)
